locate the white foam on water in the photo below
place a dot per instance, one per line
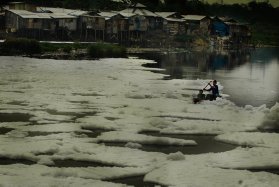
(117, 95)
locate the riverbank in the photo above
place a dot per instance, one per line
(58, 50)
(87, 50)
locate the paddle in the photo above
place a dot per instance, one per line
(207, 85)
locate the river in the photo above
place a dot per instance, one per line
(75, 118)
(249, 77)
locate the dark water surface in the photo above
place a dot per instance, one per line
(205, 144)
(250, 77)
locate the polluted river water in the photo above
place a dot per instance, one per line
(46, 125)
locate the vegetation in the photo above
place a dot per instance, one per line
(20, 46)
(265, 34)
(98, 50)
(24, 46)
(65, 47)
(106, 50)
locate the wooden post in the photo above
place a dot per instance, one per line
(95, 34)
(86, 34)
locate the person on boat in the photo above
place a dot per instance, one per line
(215, 91)
(200, 97)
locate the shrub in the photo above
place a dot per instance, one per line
(21, 46)
(67, 49)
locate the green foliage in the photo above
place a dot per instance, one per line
(20, 46)
(65, 47)
(265, 33)
(106, 50)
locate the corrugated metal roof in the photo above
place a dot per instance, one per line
(61, 16)
(142, 12)
(39, 15)
(237, 24)
(138, 5)
(175, 20)
(194, 17)
(28, 15)
(72, 12)
(227, 19)
(127, 15)
(78, 13)
(107, 14)
(165, 14)
(18, 2)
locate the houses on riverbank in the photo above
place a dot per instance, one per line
(135, 25)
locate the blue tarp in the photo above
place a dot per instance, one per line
(220, 28)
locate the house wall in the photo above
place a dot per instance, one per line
(239, 33)
(239, 30)
(70, 23)
(93, 22)
(11, 21)
(2, 22)
(173, 27)
(15, 22)
(199, 26)
(37, 24)
(152, 23)
(204, 25)
(192, 27)
(138, 23)
(116, 24)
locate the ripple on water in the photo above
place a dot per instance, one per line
(136, 181)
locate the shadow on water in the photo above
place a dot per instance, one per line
(4, 130)
(75, 115)
(38, 133)
(274, 171)
(14, 117)
(8, 161)
(205, 144)
(134, 181)
(188, 118)
(92, 133)
(77, 163)
(19, 103)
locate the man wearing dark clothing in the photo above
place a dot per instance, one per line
(215, 91)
